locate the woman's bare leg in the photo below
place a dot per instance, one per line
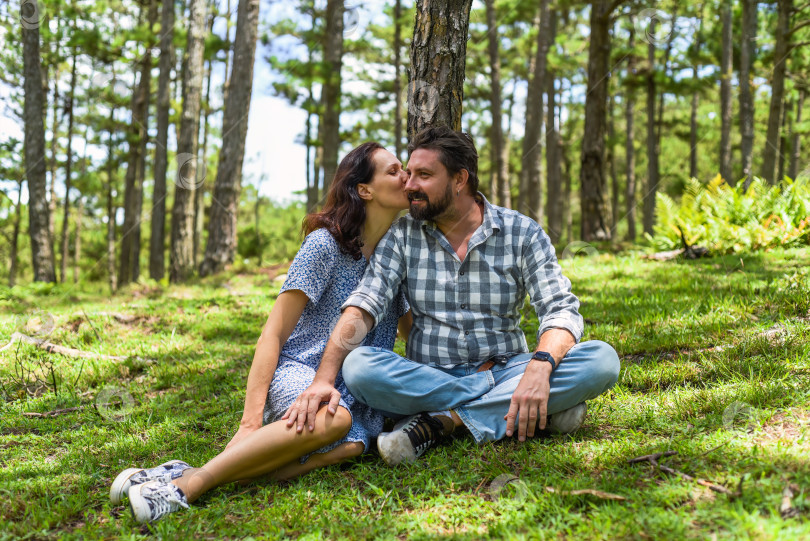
(340, 453)
(265, 450)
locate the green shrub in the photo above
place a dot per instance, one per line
(728, 220)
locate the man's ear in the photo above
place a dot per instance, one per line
(364, 192)
(461, 179)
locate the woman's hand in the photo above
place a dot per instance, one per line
(242, 433)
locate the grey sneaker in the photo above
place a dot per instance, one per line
(136, 476)
(409, 439)
(567, 421)
(154, 500)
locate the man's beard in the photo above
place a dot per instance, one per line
(431, 210)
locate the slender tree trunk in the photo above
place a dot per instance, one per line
(398, 80)
(611, 160)
(111, 277)
(65, 250)
(77, 243)
(593, 202)
(780, 56)
(553, 169)
(693, 117)
(34, 150)
(181, 261)
(333, 63)
(726, 68)
(228, 52)
(747, 53)
(54, 151)
(199, 193)
(652, 144)
(222, 225)
(787, 122)
(796, 145)
(500, 171)
(15, 238)
(531, 173)
(629, 143)
(157, 239)
(438, 51)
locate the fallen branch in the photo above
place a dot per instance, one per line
(591, 491)
(53, 413)
(653, 460)
(50, 347)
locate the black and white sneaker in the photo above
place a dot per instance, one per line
(410, 438)
(154, 500)
(136, 476)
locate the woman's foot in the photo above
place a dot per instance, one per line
(136, 476)
(153, 500)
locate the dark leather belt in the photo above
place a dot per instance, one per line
(492, 361)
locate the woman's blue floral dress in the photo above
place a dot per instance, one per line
(327, 276)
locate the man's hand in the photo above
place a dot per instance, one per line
(529, 401)
(305, 407)
(242, 433)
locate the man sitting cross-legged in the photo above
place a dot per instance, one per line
(467, 266)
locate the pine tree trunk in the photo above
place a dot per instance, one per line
(111, 277)
(77, 241)
(629, 144)
(531, 174)
(65, 250)
(398, 146)
(787, 117)
(780, 54)
(553, 173)
(796, 145)
(500, 171)
(693, 116)
(333, 63)
(15, 238)
(34, 150)
(157, 239)
(593, 186)
(222, 225)
(438, 51)
(652, 144)
(54, 151)
(199, 193)
(726, 68)
(611, 160)
(747, 52)
(181, 261)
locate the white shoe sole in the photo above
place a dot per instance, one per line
(138, 505)
(121, 484)
(567, 421)
(395, 448)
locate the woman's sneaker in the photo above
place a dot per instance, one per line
(153, 500)
(136, 476)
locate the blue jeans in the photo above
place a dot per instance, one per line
(395, 385)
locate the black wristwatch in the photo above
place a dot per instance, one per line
(545, 356)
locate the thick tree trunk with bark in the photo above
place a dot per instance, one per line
(438, 59)
(34, 150)
(747, 51)
(333, 63)
(222, 225)
(398, 146)
(157, 240)
(129, 268)
(65, 251)
(629, 144)
(652, 145)
(531, 173)
(726, 67)
(780, 54)
(500, 171)
(796, 145)
(593, 187)
(181, 260)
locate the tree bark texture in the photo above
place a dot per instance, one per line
(747, 53)
(500, 172)
(64, 248)
(333, 63)
(398, 146)
(438, 59)
(554, 203)
(629, 148)
(796, 144)
(780, 57)
(221, 245)
(652, 144)
(726, 67)
(112, 279)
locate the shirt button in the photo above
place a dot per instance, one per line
(463, 306)
(466, 333)
(462, 273)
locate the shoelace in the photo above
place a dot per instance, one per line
(159, 473)
(160, 500)
(423, 431)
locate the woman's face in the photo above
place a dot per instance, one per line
(387, 186)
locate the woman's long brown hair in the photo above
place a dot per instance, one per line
(344, 213)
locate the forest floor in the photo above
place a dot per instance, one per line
(715, 367)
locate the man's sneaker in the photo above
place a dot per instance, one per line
(567, 421)
(136, 476)
(410, 438)
(153, 500)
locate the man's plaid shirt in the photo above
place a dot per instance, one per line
(467, 311)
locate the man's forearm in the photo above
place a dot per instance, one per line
(557, 342)
(350, 331)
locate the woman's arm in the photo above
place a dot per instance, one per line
(404, 325)
(280, 324)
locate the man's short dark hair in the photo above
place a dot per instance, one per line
(456, 151)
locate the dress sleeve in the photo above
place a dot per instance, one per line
(401, 305)
(311, 270)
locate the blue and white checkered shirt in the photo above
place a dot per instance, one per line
(467, 311)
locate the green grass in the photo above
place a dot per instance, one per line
(690, 335)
